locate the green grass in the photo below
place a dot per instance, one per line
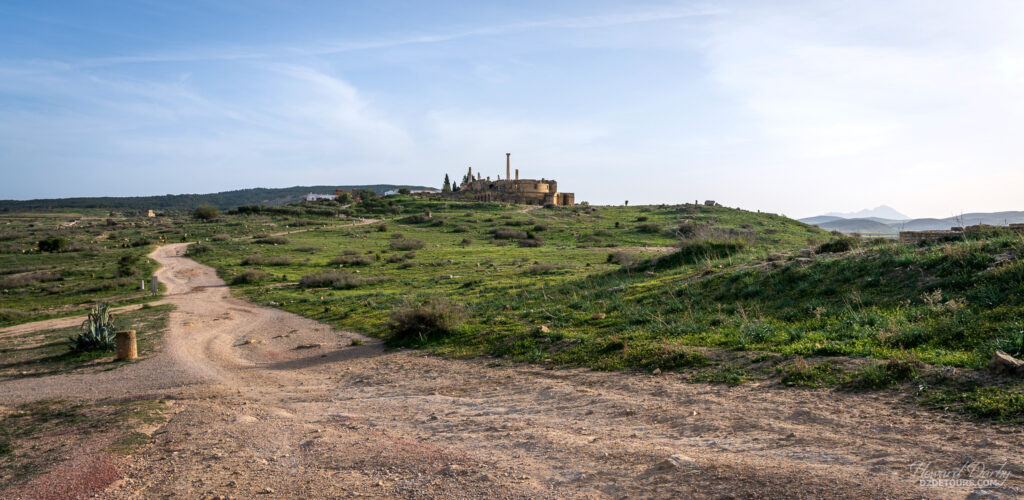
(668, 287)
(48, 352)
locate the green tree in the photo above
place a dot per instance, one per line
(206, 212)
(447, 188)
(403, 191)
(344, 198)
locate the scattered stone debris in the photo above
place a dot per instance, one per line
(806, 252)
(776, 256)
(1002, 362)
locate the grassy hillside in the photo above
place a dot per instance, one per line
(224, 200)
(718, 294)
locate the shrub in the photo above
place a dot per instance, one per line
(889, 374)
(98, 331)
(126, 265)
(221, 237)
(29, 278)
(540, 227)
(382, 228)
(250, 276)
(407, 244)
(259, 260)
(542, 268)
(10, 314)
(840, 244)
(198, 249)
(649, 227)
(466, 242)
(804, 374)
(417, 323)
(531, 242)
(507, 234)
(271, 240)
(351, 260)
(52, 244)
(206, 212)
(461, 229)
(622, 258)
(642, 218)
(339, 280)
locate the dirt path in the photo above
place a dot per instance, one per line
(257, 414)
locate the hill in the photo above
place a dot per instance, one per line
(224, 200)
(882, 211)
(863, 226)
(880, 225)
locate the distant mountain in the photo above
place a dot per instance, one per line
(880, 225)
(225, 200)
(820, 219)
(882, 212)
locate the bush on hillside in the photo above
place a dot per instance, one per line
(52, 244)
(417, 323)
(206, 212)
(407, 244)
(841, 244)
(339, 280)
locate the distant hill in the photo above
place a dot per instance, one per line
(820, 219)
(224, 200)
(882, 212)
(879, 225)
(863, 226)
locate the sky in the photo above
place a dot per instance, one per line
(790, 107)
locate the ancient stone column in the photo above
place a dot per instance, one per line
(126, 345)
(154, 284)
(508, 165)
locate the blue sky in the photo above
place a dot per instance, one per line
(791, 107)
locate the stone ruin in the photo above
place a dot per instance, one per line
(523, 191)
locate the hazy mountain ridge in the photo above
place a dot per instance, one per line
(224, 200)
(879, 212)
(878, 225)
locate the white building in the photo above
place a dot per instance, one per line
(316, 197)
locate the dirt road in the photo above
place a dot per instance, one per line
(271, 405)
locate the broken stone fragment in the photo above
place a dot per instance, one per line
(1002, 362)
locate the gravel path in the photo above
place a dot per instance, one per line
(258, 412)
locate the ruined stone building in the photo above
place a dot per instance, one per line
(525, 191)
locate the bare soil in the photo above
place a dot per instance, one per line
(268, 404)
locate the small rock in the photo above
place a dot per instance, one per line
(657, 371)
(617, 288)
(649, 273)
(806, 252)
(776, 256)
(676, 462)
(599, 316)
(266, 491)
(451, 470)
(543, 329)
(1002, 362)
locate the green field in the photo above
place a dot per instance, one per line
(718, 294)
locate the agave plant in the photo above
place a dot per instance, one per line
(97, 331)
